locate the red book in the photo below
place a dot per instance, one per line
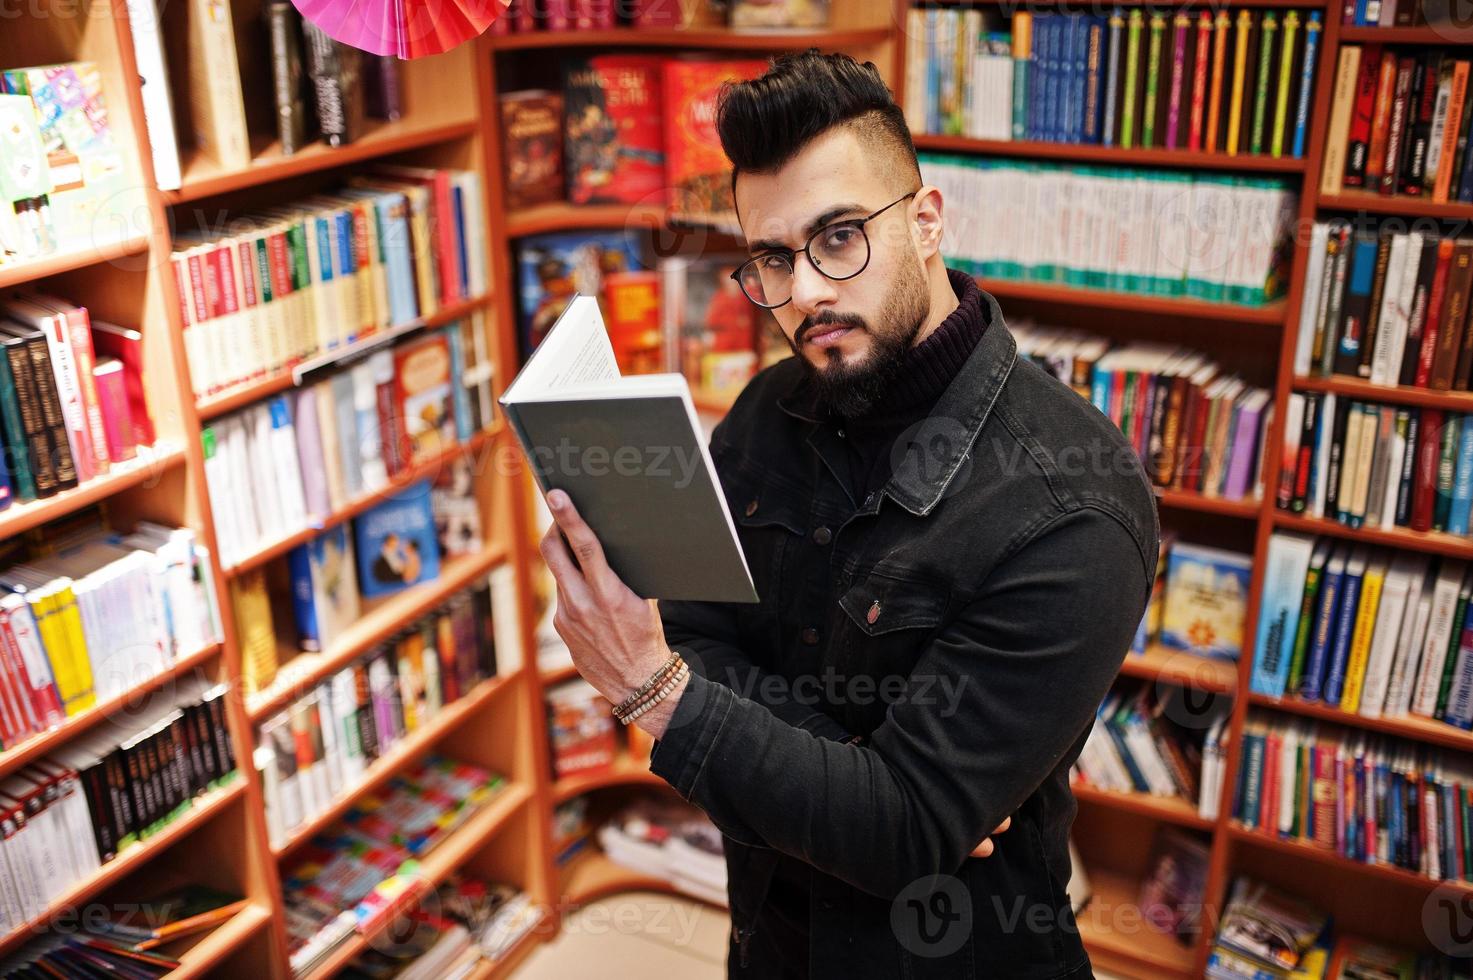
(282, 286)
(250, 292)
(1199, 80)
(1325, 826)
(1359, 144)
(699, 175)
(1424, 485)
(1380, 119)
(117, 420)
(1396, 126)
(1268, 800)
(43, 692)
(1433, 326)
(126, 346)
(614, 144)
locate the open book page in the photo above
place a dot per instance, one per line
(576, 352)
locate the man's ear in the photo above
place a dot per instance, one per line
(928, 221)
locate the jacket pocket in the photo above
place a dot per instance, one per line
(882, 602)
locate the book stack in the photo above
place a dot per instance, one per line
(580, 728)
(84, 955)
(305, 279)
(1217, 238)
(72, 404)
(293, 461)
(1363, 464)
(1398, 13)
(1139, 745)
(1264, 932)
(1366, 797)
(355, 875)
(64, 817)
(317, 749)
(1356, 957)
(1386, 306)
(1233, 82)
(670, 840)
(1194, 426)
(1400, 123)
(97, 618)
(1375, 633)
(161, 920)
(56, 126)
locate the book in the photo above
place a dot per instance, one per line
(613, 138)
(698, 173)
(664, 523)
(324, 589)
(214, 97)
(178, 913)
(395, 543)
(424, 398)
(532, 145)
(552, 269)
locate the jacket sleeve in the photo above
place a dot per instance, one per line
(991, 708)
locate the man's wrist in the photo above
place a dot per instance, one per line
(657, 719)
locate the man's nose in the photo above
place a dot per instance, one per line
(812, 290)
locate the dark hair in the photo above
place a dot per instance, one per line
(765, 122)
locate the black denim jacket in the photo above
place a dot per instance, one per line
(965, 622)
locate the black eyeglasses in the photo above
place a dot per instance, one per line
(838, 251)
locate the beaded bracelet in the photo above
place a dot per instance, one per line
(660, 694)
(656, 679)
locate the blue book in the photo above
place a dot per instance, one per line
(1251, 781)
(324, 232)
(1312, 30)
(1113, 67)
(1360, 14)
(1094, 79)
(1324, 626)
(456, 343)
(1457, 515)
(396, 543)
(458, 194)
(933, 71)
(1362, 275)
(1037, 72)
(1355, 571)
(323, 586)
(397, 250)
(346, 263)
(1465, 180)
(1459, 708)
(1069, 78)
(1278, 611)
(1053, 127)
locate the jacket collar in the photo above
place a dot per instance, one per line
(935, 449)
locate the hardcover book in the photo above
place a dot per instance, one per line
(396, 543)
(614, 148)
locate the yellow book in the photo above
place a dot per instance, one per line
(1022, 34)
(1240, 73)
(70, 620)
(1360, 640)
(1286, 81)
(43, 609)
(1342, 105)
(1214, 95)
(411, 678)
(254, 631)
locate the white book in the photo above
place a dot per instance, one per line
(222, 491)
(1406, 300)
(265, 488)
(216, 103)
(1406, 569)
(1397, 449)
(1309, 306)
(1409, 649)
(286, 470)
(1386, 315)
(332, 748)
(264, 758)
(367, 375)
(1287, 763)
(1439, 634)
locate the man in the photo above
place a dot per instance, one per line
(952, 552)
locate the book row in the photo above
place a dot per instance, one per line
(318, 748)
(57, 129)
(1386, 306)
(354, 875)
(66, 816)
(1399, 124)
(294, 282)
(1163, 233)
(527, 16)
(1194, 426)
(1233, 83)
(1367, 798)
(96, 618)
(72, 403)
(294, 460)
(1369, 631)
(668, 839)
(630, 129)
(1363, 464)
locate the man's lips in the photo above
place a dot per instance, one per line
(826, 336)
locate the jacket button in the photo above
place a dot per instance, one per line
(809, 636)
(873, 614)
(751, 508)
(822, 536)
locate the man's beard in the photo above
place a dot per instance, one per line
(851, 391)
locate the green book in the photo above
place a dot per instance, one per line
(1260, 83)
(1153, 81)
(13, 435)
(1286, 82)
(1132, 77)
(1446, 467)
(1454, 642)
(1304, 632)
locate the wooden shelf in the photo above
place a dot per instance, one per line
(561, 216)
(1451, 401)
(300, 674)
(1271, 314)
(1182, 669)
(46, 742)
(451, 853)
(564, 673)
(1169, 809)
(426, 469)
(239, 396)
(203, 178)
(626, 770)
(1435, 542)
(1127, 942)
(405, 751)
(1093, 153)
(129, 860)
(1449, 37)
(1313, 852)
(205, 952)
(51, 265)
(694, 38)
(1405, 726)
(1248, 508)
(1419, 207)
(149, 465)
(591, 875)
(508, 962)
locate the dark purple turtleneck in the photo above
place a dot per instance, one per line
(926, 370)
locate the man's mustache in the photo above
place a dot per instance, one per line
(826, 321)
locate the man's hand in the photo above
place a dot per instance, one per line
(615, 637)
(986, 848)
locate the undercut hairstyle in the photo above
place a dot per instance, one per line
(767, 121)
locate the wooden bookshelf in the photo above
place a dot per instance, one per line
(1270, 314)
(1410, 727)
(20, 273)
(1161, 663)
(202, 955)
(558, 216)
(1435, 542)
(1094, 153)
(146, 471)
(1448, 401)
(590, 875)
(1246, 509)
(1120, 939)
(1396, 204)
(1168, 809)
(1449, 36)
(710, 38)
(1324, 855)
(625, 770)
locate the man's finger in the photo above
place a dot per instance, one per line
(560, 562)
(585, 544)
(1006, 823)
(983, 849)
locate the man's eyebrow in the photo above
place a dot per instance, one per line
(823, 218)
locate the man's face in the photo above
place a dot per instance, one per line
(848, 333)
